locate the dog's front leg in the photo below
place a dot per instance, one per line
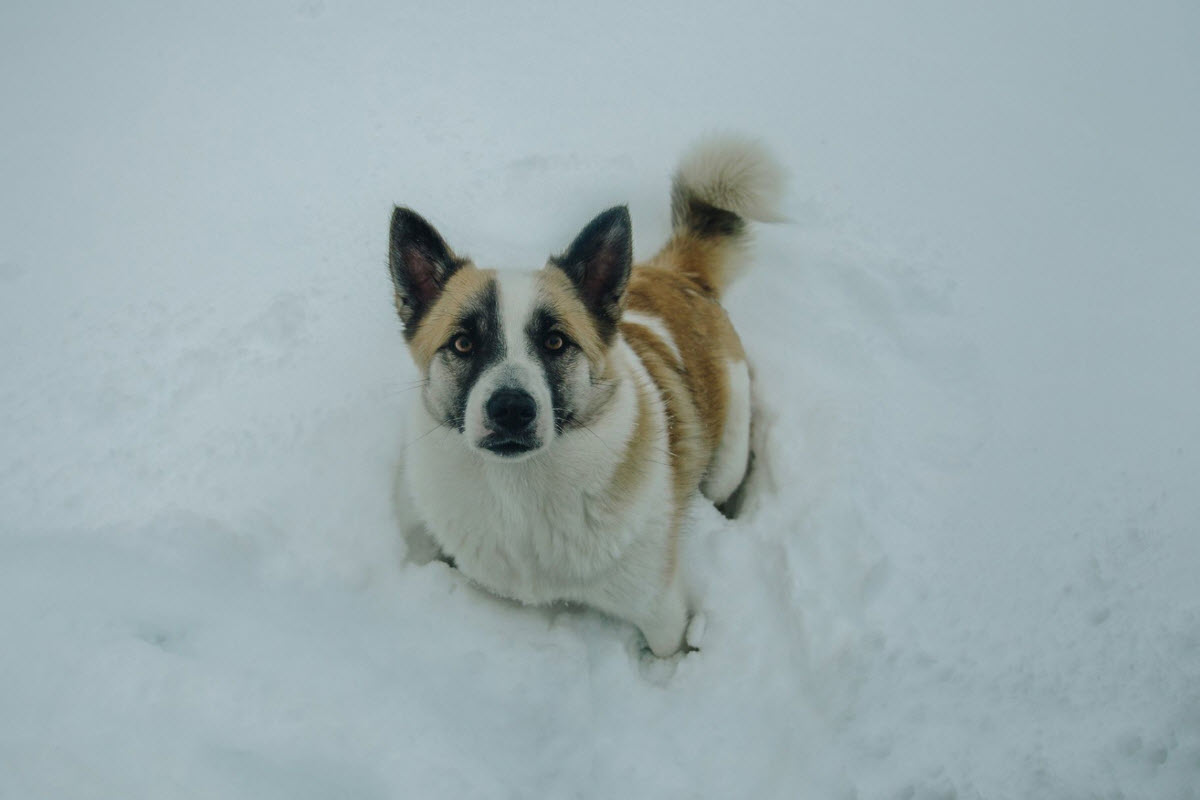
(665, 620)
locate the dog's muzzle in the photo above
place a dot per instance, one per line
(511, 414)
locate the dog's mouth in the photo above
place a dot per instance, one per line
(509, 446)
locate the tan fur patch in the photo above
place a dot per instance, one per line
(704, 260)
(702, 333)
(439, 323)
(690, 451)
(559, 293)
(695, 390)
(638, 450)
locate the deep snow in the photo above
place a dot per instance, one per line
(969, 566)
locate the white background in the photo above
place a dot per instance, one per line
(970, 569)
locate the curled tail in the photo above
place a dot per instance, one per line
(720, 183)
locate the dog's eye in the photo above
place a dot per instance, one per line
(554, 342)
(463, 344)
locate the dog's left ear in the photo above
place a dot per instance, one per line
(599, 260)
(420, 263)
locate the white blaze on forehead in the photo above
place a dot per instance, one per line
(517, 292)
(516, 299)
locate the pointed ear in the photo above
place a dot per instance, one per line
(599, 260)
(420, 263)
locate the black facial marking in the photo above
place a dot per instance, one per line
(481, 321)
(557, 364)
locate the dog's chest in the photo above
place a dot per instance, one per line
(529, 534)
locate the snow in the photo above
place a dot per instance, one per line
(968, 565)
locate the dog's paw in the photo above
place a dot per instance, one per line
(656, 670)
(419, 547)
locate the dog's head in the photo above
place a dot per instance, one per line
(511, 359)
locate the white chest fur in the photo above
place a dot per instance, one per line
(549, 528)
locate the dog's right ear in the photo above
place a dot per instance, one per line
(420, 263)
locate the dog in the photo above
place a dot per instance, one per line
(568, 415)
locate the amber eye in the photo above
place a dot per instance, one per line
(463, 344)
(554, 341)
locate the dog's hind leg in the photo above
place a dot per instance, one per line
(732, 456)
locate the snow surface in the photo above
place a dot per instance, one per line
(969, 568)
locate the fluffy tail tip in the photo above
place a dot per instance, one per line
(732, 173)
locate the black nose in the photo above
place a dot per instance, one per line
(511, 410)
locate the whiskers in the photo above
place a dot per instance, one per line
(445, 426)
(403, 389)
